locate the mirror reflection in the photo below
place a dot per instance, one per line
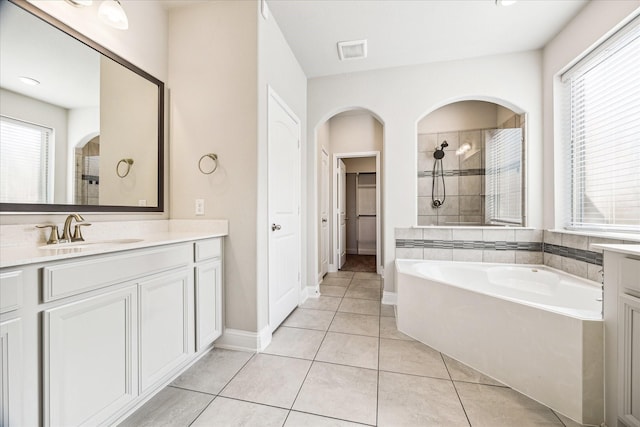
(470, 165)
(69, 115)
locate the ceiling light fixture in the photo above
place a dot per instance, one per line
(112, 13)
(505, 2)
(355, 49)
(29, 81)
(80, 3)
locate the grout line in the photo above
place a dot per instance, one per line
(333, 418)
(237, 372)
(312, 361)
(254, 402)
(201, 412)
(455, 389)
(190, 389)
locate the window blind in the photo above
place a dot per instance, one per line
(602, 164)
(503, 180)
(25, 162)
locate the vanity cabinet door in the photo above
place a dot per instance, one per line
(89, 358)
(10, 373)
(208, 302)
(629, 360)
(166, 313)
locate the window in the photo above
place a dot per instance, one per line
(503, 201)
(25, 170)
(602, 108)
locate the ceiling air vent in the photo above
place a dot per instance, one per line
(356, 49)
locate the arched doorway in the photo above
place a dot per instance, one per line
(349, 180)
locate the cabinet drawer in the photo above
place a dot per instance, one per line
(68, 279)
(630, 274)
(10, 291)
(206, 249)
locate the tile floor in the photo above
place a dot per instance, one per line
(339, 360)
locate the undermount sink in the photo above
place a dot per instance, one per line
(92, 244)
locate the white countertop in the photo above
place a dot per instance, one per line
(623, 249)
(22, 253)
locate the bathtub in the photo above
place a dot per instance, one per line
(533, 328)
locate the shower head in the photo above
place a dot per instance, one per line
(439, 152)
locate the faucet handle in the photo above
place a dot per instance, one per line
(53, 236)
(77, 232)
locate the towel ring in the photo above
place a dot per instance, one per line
(127, 162)
(211, 156)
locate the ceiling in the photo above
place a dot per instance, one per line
(409, 32)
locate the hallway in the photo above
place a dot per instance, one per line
(339, 360)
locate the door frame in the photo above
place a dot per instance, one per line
(336, 256)
(324, 181)
(273, 97)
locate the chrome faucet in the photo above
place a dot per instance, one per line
(55, 238)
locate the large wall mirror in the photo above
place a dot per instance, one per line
(81, 128)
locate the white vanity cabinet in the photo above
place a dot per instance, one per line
(622, 336)
(208, 292)
(166, 325)
(90, 358)
(10, 373)
(87, 340)
(10, 348)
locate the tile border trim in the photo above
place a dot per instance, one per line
(470, 244)
(589, 257)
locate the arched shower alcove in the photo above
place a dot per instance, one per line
(471, 164)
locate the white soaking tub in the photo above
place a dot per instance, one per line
(534, 328)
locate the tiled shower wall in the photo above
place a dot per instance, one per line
(464, 179)
(567, 252)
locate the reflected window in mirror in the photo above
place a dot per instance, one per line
(25, 160)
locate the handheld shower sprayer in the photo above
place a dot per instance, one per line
(438, 170)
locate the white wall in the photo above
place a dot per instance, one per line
(400, 97)
(467, 115)
(219, 104)
(214, 110)
(279, 70)
(597, 21)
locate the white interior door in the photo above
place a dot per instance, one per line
(324, 214)
(342, 213)
(284, 210)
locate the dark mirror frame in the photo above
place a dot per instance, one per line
(50, 208)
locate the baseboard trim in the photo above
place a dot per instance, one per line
(312, 291)
(237, 339)
(389, 298)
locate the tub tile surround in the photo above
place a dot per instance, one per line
(570, 252)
